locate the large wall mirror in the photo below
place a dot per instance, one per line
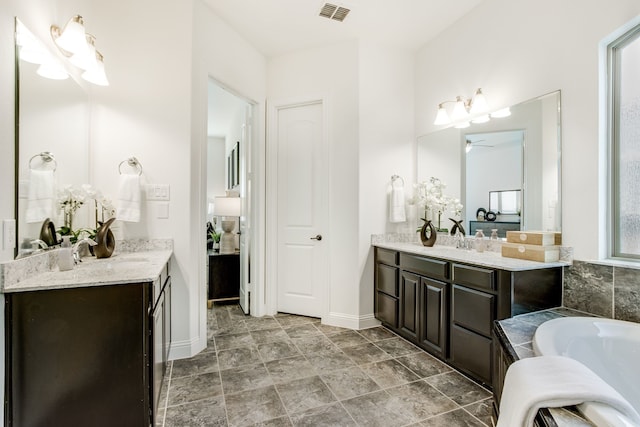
(52, 116)
(511, 164)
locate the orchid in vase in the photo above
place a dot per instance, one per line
(71, 199)
(430, 196)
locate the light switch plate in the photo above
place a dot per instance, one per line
(8, 234)
(158, 192)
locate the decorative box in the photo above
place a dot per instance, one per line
(540, 238)
(550, 253)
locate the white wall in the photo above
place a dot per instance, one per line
(155, 109)
(216, 168)
(369, 93)
(331, 72)
(386, 147)
(544, 46)
(222, 54)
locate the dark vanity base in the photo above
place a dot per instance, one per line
(448, 307)
(79, 357)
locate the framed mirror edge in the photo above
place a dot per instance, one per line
(554, 208)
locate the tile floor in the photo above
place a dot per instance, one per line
(287, 370)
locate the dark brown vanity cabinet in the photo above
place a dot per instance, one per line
(473, 310)
(448, 307)
(423, 302)
(386, 287)
(87, 356)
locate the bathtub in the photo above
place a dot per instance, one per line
(610, 348)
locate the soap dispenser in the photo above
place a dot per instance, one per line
(65, 254)
(479, 241)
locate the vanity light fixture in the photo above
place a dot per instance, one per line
(79, 46)
(96, 74)
(51, 68)
(33, 51)
(504, 112)
(72, 38)
(474, 109)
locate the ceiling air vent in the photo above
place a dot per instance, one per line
(332, 11)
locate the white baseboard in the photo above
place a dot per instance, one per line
(186, 348)
(351, 321)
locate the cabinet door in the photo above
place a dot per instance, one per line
(387, 279)
(471, 353)
(408, 319)
(158, 339)
(167, 319)
(387, 309)
(433, 316)
(473, 309)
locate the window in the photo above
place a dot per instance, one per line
(624, 140)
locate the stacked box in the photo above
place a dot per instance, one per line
(542, 246)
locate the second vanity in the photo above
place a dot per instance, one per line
(445, 300)
(88, 346)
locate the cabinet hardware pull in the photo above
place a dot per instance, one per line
(318, 237)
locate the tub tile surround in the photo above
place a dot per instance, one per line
(604, 290)
(14, 272)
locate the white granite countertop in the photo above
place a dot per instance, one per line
(487, 258)
(121, 268)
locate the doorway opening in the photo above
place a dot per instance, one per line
(228, 192)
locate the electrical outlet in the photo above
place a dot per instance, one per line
(9, 234)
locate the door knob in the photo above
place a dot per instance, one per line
(318, 237)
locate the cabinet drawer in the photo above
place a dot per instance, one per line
(471, 352)
(387, 309)
(432, 268)
(473, 309)
(387, 256)
(481, 278)
(387, 279)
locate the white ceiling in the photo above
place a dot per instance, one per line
(275, 27)
(278, 26)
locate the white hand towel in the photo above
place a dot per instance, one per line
(40, 198)
(396, 202)
(128, 204)
(552, 382)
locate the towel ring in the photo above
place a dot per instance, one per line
(46, 157)
(133, 162)
(396, 177)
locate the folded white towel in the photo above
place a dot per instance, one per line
(396, 202)
(128, 204)
(40, 198)
(552, 382)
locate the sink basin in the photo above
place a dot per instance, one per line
(610, 348)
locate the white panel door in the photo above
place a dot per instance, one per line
(302, 212)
